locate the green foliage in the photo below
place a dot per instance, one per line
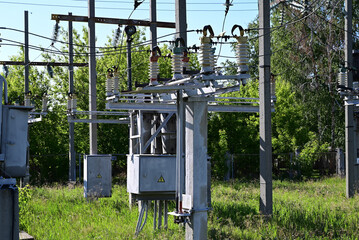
(309, 154)
(233, 133)
(25, 200)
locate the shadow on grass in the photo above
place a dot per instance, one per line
(317, 222)
(235, 211)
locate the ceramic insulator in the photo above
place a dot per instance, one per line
(115, 83)
(109, 85)
(154, 71)
(44, 104)
(342, 78)
(242, 52)
(177, 63)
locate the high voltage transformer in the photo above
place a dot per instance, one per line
(13, 161)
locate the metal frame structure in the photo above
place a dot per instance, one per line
(188, 99)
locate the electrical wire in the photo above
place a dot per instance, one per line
(99, 53)
(115, 8)
(171, 3)
(289, 22)
(224, 21)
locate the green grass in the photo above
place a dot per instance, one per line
(302, 210)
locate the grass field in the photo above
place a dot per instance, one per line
(302, 210)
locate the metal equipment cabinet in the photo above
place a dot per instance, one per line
(97, 176)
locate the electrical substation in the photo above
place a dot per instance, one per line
(167, 158)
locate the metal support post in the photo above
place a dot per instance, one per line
(153, 20)
(266, 198)
(160, 208)
(196, 113)
(72, 157)
(129, 63)
(92, 75)
(165, 215)
(180, 150)
(181, 20)
(25, 180)
(26, 52)
(349, 118)
(80, 168)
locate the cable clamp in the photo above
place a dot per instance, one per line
(201, 210)
(264, 66)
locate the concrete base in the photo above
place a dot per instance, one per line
(25, 236)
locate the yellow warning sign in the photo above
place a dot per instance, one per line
(161, 179)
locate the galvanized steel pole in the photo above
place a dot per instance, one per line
(266, 202)
(26, 52)
(349, 109)
(92, 75)
(72, 157)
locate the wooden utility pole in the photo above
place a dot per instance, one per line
(266, 199)
(349, 109)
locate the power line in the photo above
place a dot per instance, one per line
(84, 46)
(289, 22)
(170, 3)
(117, 8)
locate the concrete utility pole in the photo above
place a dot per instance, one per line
(181, 20)
(26, 52)
(153, 20)
(349, 109)
(92, 75)
(266, 201)
(196, 113)
(72, 157)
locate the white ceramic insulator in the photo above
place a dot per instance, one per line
(176, 63)
(69, 104)
(27, 101)
(206, 55)
(213, 61)
(115, 84)
(44, 104)
(154, 70)
(242, 52)
(109, 85)
(342, 78)
(73, 103)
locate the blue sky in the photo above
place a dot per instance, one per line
(200, 13)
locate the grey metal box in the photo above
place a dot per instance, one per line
(9, 209)
(97, 175)
(151, 173)
(14, 139)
